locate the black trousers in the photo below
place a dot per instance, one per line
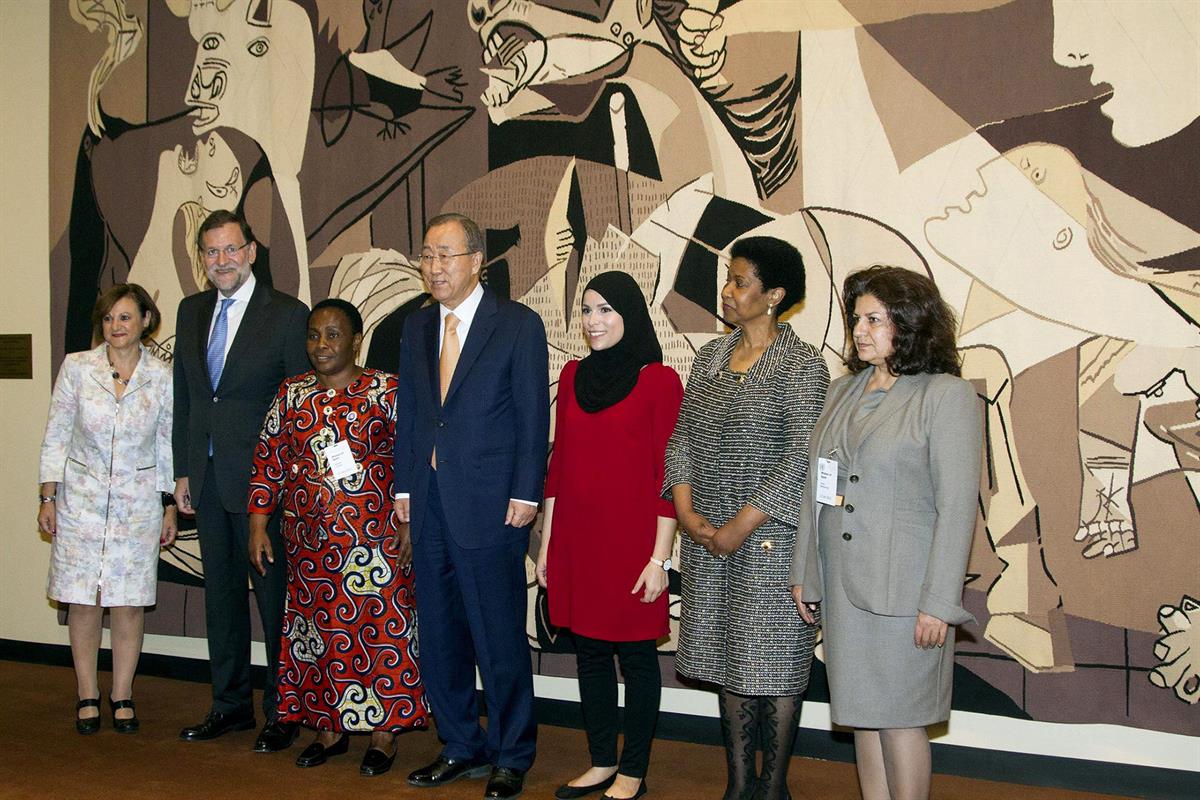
(598, 698)
(224, 542)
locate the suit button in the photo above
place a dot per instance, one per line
(847, 536)
(441, 423)
(854, 479)
(215, 399)
(849, 509)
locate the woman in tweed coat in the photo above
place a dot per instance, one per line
(735, 468)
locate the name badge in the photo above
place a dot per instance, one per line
(341, 461)
(827, 471)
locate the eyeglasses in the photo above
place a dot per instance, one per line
(427, 259)
(229, 250)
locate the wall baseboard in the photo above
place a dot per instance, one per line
(970, 762)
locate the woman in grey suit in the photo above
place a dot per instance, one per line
(735, 468)
(885, 527)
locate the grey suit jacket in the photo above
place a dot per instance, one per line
(910, 497)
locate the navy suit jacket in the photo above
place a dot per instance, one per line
(493, 430)
(269, 346)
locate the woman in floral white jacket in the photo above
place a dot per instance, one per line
(106, 460)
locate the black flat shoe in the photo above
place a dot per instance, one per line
(276, 736)
(376, 762)
(86, 727)
(569, 792)
(129, 725)
(447, 770)
(316, 753)
(217, 724)
(642, 789)
(506, 783)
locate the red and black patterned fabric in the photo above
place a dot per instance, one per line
(349, 647)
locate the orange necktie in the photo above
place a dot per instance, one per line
(449, 358)
(446, 364)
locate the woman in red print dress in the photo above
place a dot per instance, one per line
(349, 646)
(607, 534)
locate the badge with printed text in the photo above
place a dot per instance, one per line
(827, 472)
(341, 461)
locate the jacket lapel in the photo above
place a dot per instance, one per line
(101, 372)
(203, 322)
(432, 354)
(481, 330)
(834, 408)
(141, 374)
(895, 399)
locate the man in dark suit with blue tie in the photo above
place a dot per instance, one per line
(472, 423)
(234, 344)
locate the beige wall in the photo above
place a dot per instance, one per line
(25, 614)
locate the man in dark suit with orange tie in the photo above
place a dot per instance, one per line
(472, 425)
(234, 344)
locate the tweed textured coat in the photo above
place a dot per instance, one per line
(743, 438)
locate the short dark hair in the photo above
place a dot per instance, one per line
(112, 295)
(925, 324)
(475, 240)
(223, 217)
(777, 264)
(347, 308)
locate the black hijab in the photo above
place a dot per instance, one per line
(606, 377)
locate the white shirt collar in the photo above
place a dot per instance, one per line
(465, 310)
(242, 295)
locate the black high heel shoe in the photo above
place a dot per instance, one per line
(88, 726)
(130, 725)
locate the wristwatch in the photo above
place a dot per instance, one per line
(43, 499)
(665, 564)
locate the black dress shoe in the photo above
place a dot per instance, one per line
(217, 724)
(447, 770)
(129, 725)
(86, 727)
(506, 783)
(276, 736)
(376, 762)
(316, 753)
(642, 789)
(569, 792)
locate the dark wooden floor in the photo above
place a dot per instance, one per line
(41, 756)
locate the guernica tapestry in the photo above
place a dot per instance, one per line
(1040, 160)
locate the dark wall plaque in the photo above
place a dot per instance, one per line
(16, 355)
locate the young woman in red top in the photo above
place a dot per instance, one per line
(607, 535)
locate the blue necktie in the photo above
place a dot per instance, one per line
(216, 344)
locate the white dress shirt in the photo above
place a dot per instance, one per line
(233, 316)
(466, 315)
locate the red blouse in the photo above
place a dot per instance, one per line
(606, 475)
